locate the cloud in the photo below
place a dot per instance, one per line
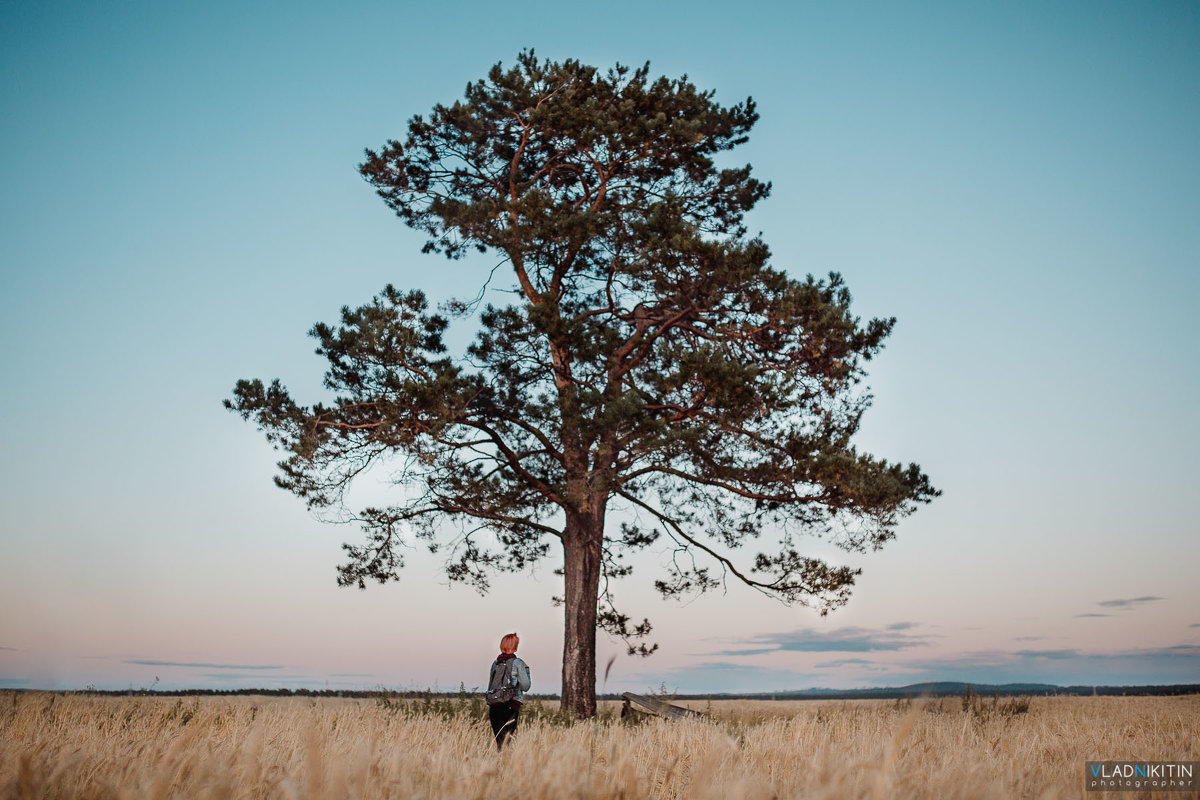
(247, 680)
(258, 676)
(1053, 654)
(1130, 666)
(1129, 603)
(352, 675)
(1194, 625)
(1089, 616)
(10, 649)
(847, 662)
(1028, 638)
(152, 663)
(1064, 667)
(841, 640)
(901, 626)
(1179, 649)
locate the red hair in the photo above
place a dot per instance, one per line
(509, 642)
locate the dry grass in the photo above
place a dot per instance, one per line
(76, 746)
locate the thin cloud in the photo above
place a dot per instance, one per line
(901, 626)
(1091, 616)
(1130, 602)
(146, 662)
(841, 640)
(1051, 654)
(14, 650)
(1028, 638)
(845, 662)
(1063, 667)
(1190, 650)
(1153, 665)
(257, 676)
(352, 675)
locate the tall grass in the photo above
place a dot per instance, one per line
(79, 746)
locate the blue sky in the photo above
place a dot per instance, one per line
(1018, 184)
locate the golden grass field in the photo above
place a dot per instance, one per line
(82, 746)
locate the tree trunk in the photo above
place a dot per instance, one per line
(583, 540)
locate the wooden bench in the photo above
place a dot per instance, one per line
(654, 706)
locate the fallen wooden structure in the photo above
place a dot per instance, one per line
(653, 706)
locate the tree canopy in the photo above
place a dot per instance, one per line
(651, 360)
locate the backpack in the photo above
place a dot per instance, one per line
(502, 684)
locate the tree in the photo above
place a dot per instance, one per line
(651, 360)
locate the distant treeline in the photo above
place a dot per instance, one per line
(890, 693)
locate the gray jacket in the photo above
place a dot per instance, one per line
(520, 675)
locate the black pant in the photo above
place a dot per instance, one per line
(504, 722)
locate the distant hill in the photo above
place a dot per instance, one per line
(953, 688)
(942, 688)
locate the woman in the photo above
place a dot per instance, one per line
(504, 715)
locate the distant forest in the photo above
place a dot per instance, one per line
(947, 689)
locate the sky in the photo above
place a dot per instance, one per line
(1017, 183)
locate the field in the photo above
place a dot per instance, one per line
(82, 746)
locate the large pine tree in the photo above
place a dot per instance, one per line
(651, 360)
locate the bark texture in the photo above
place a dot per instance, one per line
(582, 551)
